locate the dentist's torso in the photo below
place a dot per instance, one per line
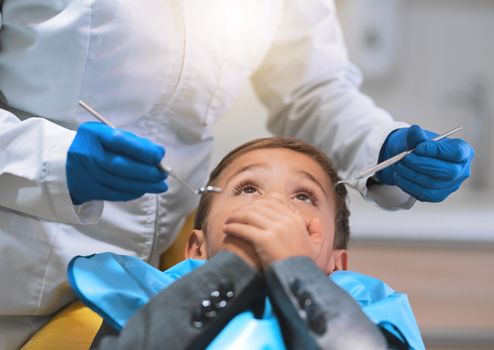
(166, 70)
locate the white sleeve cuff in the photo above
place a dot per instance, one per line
(388, 197)
(56, 182)
(385, 196)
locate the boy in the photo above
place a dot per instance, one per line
(287, 227)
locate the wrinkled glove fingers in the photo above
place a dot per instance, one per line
(451, 150)
(424, 180)
(124, 185)
(130, 145)
(435, 168)
(127, 168)
(424, 194)
(415, 135)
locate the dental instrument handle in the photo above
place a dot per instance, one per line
(162, 166)
(167, 169)
(400, 156)
(96, 114)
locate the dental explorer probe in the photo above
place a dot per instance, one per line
(162, 166)
(392, 160)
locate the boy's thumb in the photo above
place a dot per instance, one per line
(314, 226)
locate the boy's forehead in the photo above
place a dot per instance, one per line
(266, 157)
(257, 158)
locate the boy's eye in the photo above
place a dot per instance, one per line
(307, 196)
(246, 187)
(303, 197)
(249, 189)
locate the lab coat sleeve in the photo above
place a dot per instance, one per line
(32, 171)
(312, 92)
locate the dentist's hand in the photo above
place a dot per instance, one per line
(112, 164)
(433, 171)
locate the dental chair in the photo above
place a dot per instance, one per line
(75, 326)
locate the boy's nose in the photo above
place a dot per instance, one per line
(277, 196)
(280, 197)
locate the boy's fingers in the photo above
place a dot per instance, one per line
(279, 206)
(253, 218)
(259, 212)
(245, 232)
(270, 208)
(267, 218)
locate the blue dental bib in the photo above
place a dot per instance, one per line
(117, 286)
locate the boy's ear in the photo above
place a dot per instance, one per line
(339, 261)
(195, 247)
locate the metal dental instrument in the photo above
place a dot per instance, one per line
(161, 165)
(392, 160)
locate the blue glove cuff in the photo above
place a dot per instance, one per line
(395, 141)
(398, 141)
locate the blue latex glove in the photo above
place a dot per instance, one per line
(433, 171)
(112, 164)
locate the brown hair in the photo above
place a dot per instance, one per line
(342, 230)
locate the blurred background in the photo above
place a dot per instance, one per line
(428, 62)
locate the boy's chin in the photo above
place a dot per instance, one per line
(243, 249)
(249, 259)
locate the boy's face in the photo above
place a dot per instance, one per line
(283, 179)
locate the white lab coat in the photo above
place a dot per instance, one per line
(166, 70)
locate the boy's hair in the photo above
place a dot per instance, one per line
(342, 230)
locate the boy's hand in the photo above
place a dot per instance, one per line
(275, 230)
